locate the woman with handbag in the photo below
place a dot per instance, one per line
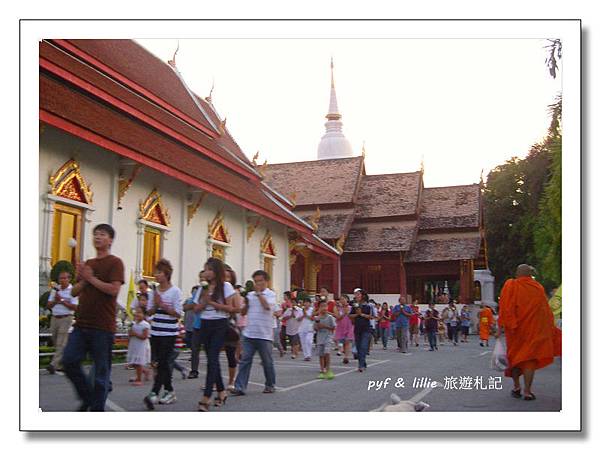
(215, 303)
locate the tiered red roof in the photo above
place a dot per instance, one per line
(119, 96)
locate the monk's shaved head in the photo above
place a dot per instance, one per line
(524, 270)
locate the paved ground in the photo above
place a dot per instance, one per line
(299, 390)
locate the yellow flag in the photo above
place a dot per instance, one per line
(130, 295)
(556, 303)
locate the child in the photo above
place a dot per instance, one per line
(324, 326)
(344, 329)
(306, 329)
(138, 352)
(293, 315)
(441, 332)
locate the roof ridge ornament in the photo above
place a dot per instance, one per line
(171, 62)
(363, 151)
(212, 88)
(314, 219)
(222, 126)
(255, 158)
(262, 168)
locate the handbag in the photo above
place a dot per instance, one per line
(232, 333)
(499, 359)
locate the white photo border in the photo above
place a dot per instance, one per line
(568, 31)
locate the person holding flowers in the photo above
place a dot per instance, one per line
(165, 309)
(215, 303)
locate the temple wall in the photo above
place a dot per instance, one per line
(184, 245)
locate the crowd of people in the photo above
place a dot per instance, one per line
(222, 316)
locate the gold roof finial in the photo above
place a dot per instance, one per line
(222, 125)
(314, 219)
(171, 62)
(255, 158)
(363, 151)
(212, 88)
(422, 168)
(292, 198)
(261, 168)
(339, 244)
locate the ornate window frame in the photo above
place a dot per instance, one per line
(148, 217)
(268, 251)
(214, 228)
(57, 183)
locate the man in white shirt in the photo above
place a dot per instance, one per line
(258, 334)
(62, 305)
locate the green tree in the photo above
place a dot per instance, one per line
(548, 227)
(511, 199)
(522, 202)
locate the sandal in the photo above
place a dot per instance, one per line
(516, 393)
(202, 407)
(220, 401)
(529, 397)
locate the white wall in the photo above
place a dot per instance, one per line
(184, 245)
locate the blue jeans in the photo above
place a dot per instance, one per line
(212, 337)
(432, 336)
(249, 347)
(98, 344)
(362, 346)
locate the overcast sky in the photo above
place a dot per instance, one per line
(462, 105)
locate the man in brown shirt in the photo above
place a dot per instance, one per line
(98, 285)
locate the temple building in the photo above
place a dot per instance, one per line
(396, 235)
(124, 141)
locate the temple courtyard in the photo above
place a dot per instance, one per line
(463, 373)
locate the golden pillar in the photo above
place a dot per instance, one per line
(311, 269)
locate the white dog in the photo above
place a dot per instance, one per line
(398, 405)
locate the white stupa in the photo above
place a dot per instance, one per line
(333, 143)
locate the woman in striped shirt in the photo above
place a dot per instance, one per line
(165, 309)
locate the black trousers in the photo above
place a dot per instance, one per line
(163, 348)
(283, 338)
(196, 346)
(212, 336)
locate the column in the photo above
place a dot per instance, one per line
(402, 276)
(466, 281)
(336, 277)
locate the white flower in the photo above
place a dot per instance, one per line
(204, 283)
(242, 291)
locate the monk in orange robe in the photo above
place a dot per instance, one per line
(486, 320)
(532, 339)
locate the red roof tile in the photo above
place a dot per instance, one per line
(318, 182)
(81, 110)
(139, 65)
(445, 247)
(223, 146)
(450, 207)
(388, 195)
(332, 223)
(381, 237)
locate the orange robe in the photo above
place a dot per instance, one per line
(486, 320)
(532, 340)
